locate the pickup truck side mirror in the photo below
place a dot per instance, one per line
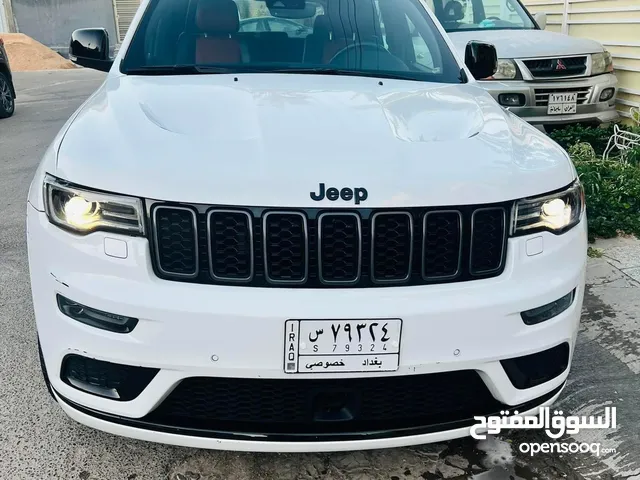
(541, 20)
(481, 59)
(89, 47)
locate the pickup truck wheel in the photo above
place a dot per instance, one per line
(7, 103)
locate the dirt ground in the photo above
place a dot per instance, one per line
(26, 54)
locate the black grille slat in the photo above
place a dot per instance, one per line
(230, 245)
(411, 246)
(176, 241)
(442, 244)
(487, 240)
(285, 406)
(339, 247)
(392, 247)
(285, 246)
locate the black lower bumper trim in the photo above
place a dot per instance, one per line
(299, 437)
(538, 368)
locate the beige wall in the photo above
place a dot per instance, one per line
(614, 23)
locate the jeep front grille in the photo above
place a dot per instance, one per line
(317, 248)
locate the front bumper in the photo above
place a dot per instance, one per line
(591, 111)
(468, 326)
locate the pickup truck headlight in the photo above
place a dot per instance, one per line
(507, 70)
(84, 211)
(601, 63)
(554, 213)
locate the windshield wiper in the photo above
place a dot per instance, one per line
(340, 71)
(201, 70)
(178, 70)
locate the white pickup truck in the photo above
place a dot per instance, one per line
(544, 77)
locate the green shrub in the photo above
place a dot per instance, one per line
(612, 190)
(597, 137)
(633, 157)
(571, 135)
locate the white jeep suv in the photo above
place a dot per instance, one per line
(256, 241)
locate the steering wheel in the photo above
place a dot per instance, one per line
(493, 18)
(394, 63)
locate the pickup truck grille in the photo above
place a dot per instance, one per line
(542, 94)
(317, 248)
(557, 67)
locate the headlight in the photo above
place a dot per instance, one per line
(507, 70)
(601, 63)
(555, 213)
(84, 211)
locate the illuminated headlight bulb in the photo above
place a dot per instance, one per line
(79, 211)
(556, 212)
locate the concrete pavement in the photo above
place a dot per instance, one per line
(37, 441)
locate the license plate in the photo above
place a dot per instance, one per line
(320, 346)
(562, 103)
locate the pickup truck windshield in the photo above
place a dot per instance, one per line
(382, 38)
(456, 15)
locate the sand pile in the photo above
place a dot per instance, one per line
(27, 54)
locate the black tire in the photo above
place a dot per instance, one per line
(7, 102)
(44, 372)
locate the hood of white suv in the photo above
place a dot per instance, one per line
(271, 139)
(527, 43)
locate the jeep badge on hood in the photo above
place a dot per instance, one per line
(356, 194)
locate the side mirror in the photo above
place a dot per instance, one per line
(541, 20)
(89, 47)
(481, 59)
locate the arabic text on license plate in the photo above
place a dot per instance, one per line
(562, 103)
(314, 346)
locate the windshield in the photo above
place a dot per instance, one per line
(458, 15)
(385, 38)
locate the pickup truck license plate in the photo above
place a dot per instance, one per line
(562, 103)
(322, 346)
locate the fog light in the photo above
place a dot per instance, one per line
(96, 318)
(537, 368)
(607, 94)
(550, 310)
(511, 99)
(105, 379)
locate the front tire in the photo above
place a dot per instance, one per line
(7, 102)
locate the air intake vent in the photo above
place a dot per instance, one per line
(339, 248)
(230, 245)
(176, 241)
(487, 240)
(442, 251)
(392, 247)
(327, 248)
(285, 247)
